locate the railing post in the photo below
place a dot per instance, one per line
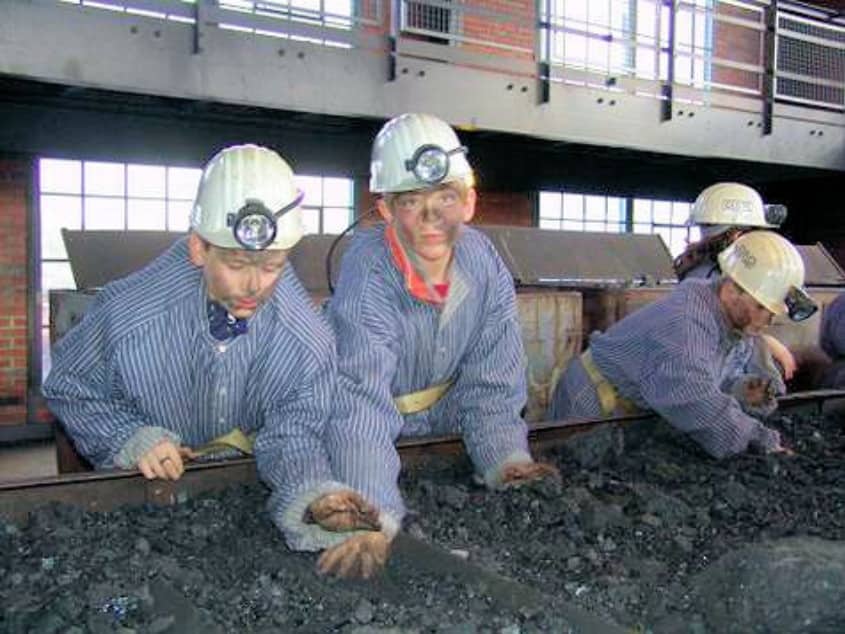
(666, 90)
(200, 24)
(770, 65)
(393, 39)
(544, 49)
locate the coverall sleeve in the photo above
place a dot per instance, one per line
(491, 387)
(85, 390)
(291, 455)
(365, 423)
(680, 382)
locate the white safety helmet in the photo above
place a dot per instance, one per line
(415, 151)
(247, 199)
(734, 205)
(770, 269)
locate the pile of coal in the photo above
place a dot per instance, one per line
(648, 531)
(217, 564)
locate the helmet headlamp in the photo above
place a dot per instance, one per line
(799, 305)
(430, 163)
(254, 225)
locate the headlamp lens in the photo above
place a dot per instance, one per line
(775, 214)
(430, 163)
(799, 305)
(255, 229)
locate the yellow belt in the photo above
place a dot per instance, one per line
(608, 396)
(235, 439)
(406, 404)
(422, 399)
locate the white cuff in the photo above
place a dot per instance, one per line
(390, 525)
(141, 442)
(312, 537)
(493, 477)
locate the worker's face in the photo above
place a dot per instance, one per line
(743, 311)
(430, 220)
(239, 280)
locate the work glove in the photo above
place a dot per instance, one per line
(518, 473)
(756, 395)
(342, 511)
(361, 556)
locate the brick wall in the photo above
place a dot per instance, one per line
(14, 177)
(518, 31)
(739, 44)
(503, 208)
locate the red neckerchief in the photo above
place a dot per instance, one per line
(414, 282)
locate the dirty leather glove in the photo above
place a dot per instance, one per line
(360, 556)
(342, 511)
(756, 395)
(518, 473)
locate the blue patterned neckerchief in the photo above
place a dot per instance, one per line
(222, 325)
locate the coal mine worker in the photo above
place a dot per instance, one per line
(215, 347)
(832, 342)
(723, 212)
(669, 356)
(428, 336)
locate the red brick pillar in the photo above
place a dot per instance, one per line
(14, 176)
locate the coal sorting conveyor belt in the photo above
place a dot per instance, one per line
(424, 589)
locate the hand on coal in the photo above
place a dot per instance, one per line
(517, 473)
(164, 461)
(360, 556)
(756, 390)
(782, 449)
(342, 511)
(756, 395)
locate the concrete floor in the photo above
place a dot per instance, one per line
(31, 460)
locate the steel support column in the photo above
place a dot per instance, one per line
(666, 89)
(770, 65)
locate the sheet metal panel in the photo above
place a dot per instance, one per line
(575, 258)
(534, 256)
(820, 267)
(98, 257)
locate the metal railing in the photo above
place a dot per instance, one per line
(716, 44)
(708, 46)
(324, 22)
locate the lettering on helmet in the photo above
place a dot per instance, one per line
(745, 256)
(738, 205)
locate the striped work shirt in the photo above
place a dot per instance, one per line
(391, 344)
(669, 356)
(143, 359)
(750, 353)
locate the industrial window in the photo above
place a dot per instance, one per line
(106, 196)
(274, 18)
(583, 212)
(668, 219)
(328, 204)
(92, 195)
(629, 37)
